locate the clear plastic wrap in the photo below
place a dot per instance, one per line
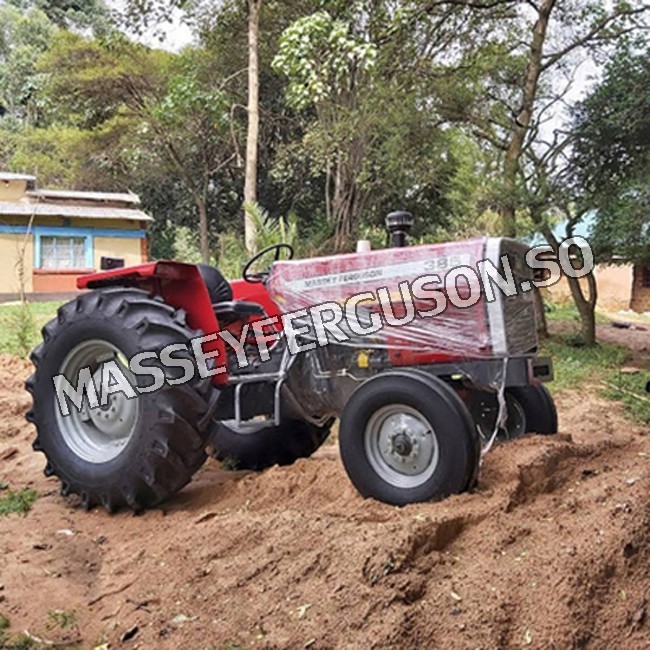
(436, 303)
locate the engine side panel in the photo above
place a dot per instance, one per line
(458, 332)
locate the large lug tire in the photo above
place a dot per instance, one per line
(134, 452)
(406, 437)
(255, 446)
(530, 409)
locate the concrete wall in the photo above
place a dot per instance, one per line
(129, 249)
(614, 287)
(55, 281)
(10, 247)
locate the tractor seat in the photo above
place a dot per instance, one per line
(226, 309)
(218, 287)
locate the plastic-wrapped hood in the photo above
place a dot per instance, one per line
(432, 302)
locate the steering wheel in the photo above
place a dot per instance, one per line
(257, 278)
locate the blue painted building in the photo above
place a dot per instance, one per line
(48, 238)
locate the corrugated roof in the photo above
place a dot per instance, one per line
(80, 211)
(86, 196)
(9, 176)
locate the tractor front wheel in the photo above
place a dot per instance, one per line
(407, 437)
(530, 409)
(131, 450)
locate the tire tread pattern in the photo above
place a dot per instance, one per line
(175, 447)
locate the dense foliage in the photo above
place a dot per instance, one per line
(612, 159)
(458, 111)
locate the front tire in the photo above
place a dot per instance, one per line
(133, 452)
(539, 408)
(530, 409)
(406, 437)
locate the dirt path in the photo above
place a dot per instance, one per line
(550, 552)
(636, 338)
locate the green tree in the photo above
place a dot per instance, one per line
(71, 14)
(230, 34)
(24, 36)
(327, 64)
(612, 157)
(146, 111)
(526, 82)
(366, 78)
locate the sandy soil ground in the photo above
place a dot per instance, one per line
(551, 551)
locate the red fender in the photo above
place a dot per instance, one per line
(181, 286)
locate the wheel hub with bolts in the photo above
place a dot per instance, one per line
(401, 445)
(98, 435)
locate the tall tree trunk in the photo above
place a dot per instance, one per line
(523, 119)
(252, 139)
(342, 206)
(347, 202)
(586, 305)
(204, 244)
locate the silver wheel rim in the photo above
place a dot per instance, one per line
(97, 435)
(401, 446)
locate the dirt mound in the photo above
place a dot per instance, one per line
(14, 400)
(550, 551)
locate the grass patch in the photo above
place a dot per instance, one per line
(17, 502)
(26, 641)
(599, 366)
(63, 619)
(230, 464)
(575, 366)
(20, 325)
(629, 389)
(20, 642)
(569, 313)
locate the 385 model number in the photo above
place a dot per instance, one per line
(446, 263)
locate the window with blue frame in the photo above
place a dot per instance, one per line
(60, 251)
(63, 252)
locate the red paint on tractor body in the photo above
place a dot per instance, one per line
(455, 334)
(459, 333)
(179, 285)
(258, 293)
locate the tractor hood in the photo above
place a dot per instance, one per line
(467, 299)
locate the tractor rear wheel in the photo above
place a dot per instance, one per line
(130, 451)
(407, 437)
(255, 445)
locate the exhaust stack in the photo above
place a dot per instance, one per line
(399, 225)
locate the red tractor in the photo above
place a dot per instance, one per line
(417, 354)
